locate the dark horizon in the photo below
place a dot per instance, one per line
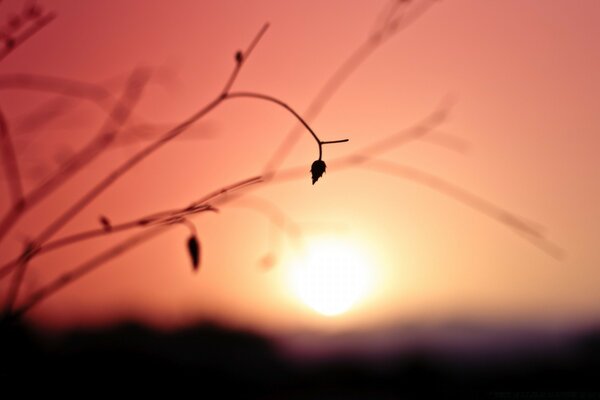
(246, 362)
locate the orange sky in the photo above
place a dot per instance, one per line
(522, 78)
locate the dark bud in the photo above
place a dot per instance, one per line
(239, 57)
(194, 251)
(106, 225)
(317, 170)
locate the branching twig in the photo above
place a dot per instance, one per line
(271, 99)
(159, 218)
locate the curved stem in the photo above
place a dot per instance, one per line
(276, 101)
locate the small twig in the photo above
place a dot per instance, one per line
(11, 164)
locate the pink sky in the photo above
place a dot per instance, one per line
(523, 80)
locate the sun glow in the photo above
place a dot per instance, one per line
(331, 277)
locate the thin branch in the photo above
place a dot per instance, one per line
(419, 131)
(11, 164)
(158, 218)
(97, 261)
(105, 183)
(85, 268)
(53, 84)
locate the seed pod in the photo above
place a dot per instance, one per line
(317, 170)
(194, 251)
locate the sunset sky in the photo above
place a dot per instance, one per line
(519, 80)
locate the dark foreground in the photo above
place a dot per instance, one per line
(239, 362)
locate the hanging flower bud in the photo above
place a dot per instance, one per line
(317, 170)
(193, 246)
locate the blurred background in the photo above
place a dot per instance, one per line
(467, 241)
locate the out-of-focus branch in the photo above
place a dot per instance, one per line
(83, 269)
(101, 141)
(394, 21)
(12, 43)
(52, 84)
(527, 230)
(530, 232)
(11, 164)
(106, 135)
(279, 222)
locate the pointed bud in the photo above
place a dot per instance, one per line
(193, 247)
(105, 222)
(317, 170)
(239, 57)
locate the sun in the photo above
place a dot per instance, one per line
(331, 276)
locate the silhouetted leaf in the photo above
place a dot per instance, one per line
(194, 250)
(239, 57)
(105, 223)
(317, 170)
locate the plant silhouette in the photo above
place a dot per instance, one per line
(394, 18)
